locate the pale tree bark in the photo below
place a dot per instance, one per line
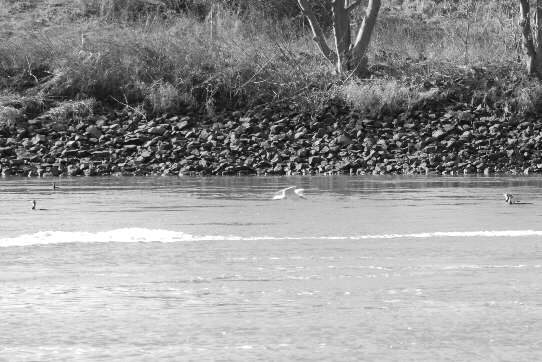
(532, 45)
(359, 52)
(538, 26)
(342, 34)
(347, 55)
(317, 32)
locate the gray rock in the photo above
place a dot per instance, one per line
(39, 138)
(101, 155)
(158, 130)
(73, 170)
(94, 131)
(344, 140)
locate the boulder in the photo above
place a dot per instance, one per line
(94, 131)
(39, 138)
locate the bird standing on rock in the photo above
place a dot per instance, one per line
(289, 192)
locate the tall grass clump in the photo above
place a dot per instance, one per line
(132, 10)
(163, 97)
(459, 32)
(379, 95)
(167, 65)
(529, 98)
(72, 110)
(136, 9)
(168, 55)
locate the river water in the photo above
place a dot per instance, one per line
(212, 269)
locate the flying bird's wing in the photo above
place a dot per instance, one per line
(287, 190)
(280, 194)
(300, 193)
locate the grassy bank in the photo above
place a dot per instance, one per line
(168, 58)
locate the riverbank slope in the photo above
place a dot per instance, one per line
(90, 89)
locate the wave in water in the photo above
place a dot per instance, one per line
(138, 235)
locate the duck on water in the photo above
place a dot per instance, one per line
(511, 200)
(34, 207)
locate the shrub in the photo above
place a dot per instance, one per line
(529, 98)
(161, 54)
(379, 95)
(163, 97)
(9, 115)
(72, 110)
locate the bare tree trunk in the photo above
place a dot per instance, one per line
(343, 37)
(533, 47)
(538, 25)
(346, 56)
(359, 53)
(318, 34)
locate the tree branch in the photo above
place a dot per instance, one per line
(538, 25)
(353, 5)
(341, 29)
(366, 30)
(525, 25)
(318, 34)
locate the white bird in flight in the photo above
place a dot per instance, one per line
(289, 192)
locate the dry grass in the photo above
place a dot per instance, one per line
(151, 53)
(72, 110)
(380, 95)
(529, 98)
(484, 32)
(128, 10)
(155, 60)
(163, 97)
(9, 115)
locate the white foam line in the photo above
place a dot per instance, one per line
(139, 235)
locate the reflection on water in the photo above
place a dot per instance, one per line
(460, 283)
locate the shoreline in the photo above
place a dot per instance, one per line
(451, 133)
(457, 143)
(461, 107)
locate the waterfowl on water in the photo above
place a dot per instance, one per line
(511, 200)
(54, 186)
(289, 192)
(34, 207)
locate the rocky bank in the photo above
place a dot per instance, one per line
(447, 136)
